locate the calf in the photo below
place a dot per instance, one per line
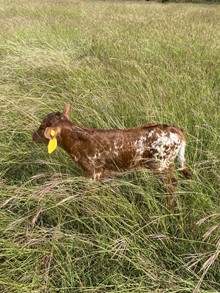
(103, 152)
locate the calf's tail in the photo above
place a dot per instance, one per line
(181, 158)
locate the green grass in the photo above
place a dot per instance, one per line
(119, 64)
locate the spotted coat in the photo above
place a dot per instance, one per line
(104, 152)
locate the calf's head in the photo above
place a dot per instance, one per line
(51, 126)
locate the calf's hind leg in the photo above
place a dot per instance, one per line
(170, 183)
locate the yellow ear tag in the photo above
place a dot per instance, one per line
(52, 145)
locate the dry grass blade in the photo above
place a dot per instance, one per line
(203, 220)
(119, 64)
(210, 230)
(35, 218)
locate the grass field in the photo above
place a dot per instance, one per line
(119, 64)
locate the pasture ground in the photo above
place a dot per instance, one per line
(119, 65)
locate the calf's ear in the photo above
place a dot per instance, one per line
(51, 132)
(66, 111)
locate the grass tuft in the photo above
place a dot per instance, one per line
(120, 64)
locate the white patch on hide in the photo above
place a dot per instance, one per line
(96, 176)
(150, 133)
(93, 160)
(117, 148)
(166, 147)
(140, 147)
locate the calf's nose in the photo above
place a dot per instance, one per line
(36, 137)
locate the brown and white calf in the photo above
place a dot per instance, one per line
(103, 152)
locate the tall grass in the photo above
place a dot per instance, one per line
(119, 65)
